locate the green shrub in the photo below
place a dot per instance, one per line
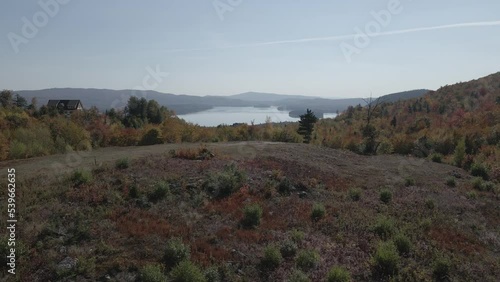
(403, 244)
(478, 183)
(160, 192)
(451, 182)
(318, 211)
(437, 158)
(472, 195)
(225, 183)
(151, 137)
(478, 169)
(31, 142)
(285, 186)
(386, 259)
(338, 274)
(459, 154)
(81, 176)
(426, 224)
(409, 182)
(288, 248)
(489, 186)
(133, 192)
(441, 268)
(175, 252)
(272, 258)
(430, 204)
(385, 196)
(297, 236)
(122, 163)
(252, 215)
(298, 276)
(186, 271)
(152, 273)
(384, 227)
(355, 194)
(307, 259)
(212, 274)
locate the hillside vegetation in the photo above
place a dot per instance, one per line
(255, 212)
(399, 191)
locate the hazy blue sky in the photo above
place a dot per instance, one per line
(109, 44)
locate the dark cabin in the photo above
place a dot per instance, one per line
(66, 106)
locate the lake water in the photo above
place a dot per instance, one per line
(230, 115)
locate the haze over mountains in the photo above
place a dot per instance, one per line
(183, 104)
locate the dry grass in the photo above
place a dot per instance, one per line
(115, 234)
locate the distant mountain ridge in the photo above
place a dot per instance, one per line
(183, 104)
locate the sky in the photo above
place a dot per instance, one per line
(327, 48)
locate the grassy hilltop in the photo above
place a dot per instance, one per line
(390, 191)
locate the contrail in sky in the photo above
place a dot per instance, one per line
(344, 37)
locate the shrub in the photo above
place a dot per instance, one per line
(251, 216)
(285, 186)
(441, 268)
(225, 183)
(355, 194)
(489, 186)
(212, 274)
(298, 276)
(297, 235)
(122, 163)
(409, 182)
(478, 169)
(478, 183)
(384, 227)
(426, 224)
(272, 258)
(451, 182)
(81, 176)
(151, 137)
(288, 248)
(133, 192)
(31, 142)
(437, 158)
(386, 259)
(201, 153)
(307, 259)
(430, 204)
(175, 252)
(318, 211)
(338, 274)
(152, 273)
(403, 244)
(471, 195)
(160, 192)
(385, 196)
(459, 155)
(186, 271)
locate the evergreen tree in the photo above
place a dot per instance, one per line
(306, 125)
(393, 121)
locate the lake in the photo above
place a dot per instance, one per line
(230, 115)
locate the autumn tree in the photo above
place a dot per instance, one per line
(141, 111)
(306, 125)
(6, 98)
(368, 130)
(21, 102)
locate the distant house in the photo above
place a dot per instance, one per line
(66, 106)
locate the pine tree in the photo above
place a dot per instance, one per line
(306, 125)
